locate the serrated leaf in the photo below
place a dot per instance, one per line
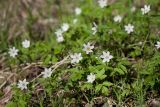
(123, 68)
(100, 74)
(118, 70)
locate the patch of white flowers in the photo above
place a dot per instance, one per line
(118, 18)
(157, 45)
(106, 56)
(78, 11)
(88, 48)
(47, 72)
(145, 9)
(59, 32)
(91, 78)
(26, 44)
(60, 39)
(129, 28)
(76, 57)
(13, 52)
(94, 28)
(102, 3)
(59, 35)
(65, 27)
(22, 84)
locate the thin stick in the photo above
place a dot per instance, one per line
(5, 81)
(55, 66)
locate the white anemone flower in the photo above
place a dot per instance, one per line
(106, 56)
(47, 72)
(88, 48)
(22, 84)
(157, 45)
(13, 52)
(91, 78)
(129, 28)
(65, 27)
(102, 3)
(26, 44)
(145, 9)
(78, 11)
(118, 18)
(76, 57)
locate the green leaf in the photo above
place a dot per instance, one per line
(73, 70)
(97, 69)
(54, 59)
(123, 68)
(100, 74)
(105, 90)
(102, 71)
(47, 59)
(22, 103)
(76, 76)
(98, 87)
(118, 70)
(106, 83)
(11, 104)
(86, 86)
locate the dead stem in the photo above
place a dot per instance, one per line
(55, 66)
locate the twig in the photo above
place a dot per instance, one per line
(21, 65)
(5, 81)
(55, 66)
